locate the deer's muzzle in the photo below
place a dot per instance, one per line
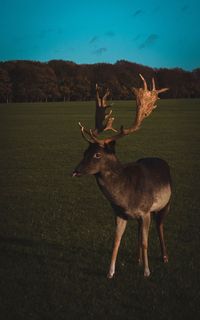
(76, 173)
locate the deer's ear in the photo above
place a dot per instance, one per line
(110, 146)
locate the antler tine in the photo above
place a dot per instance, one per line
(83, 131)
(144, 81)
(162, 90)
(119, 135)
(89, 133)
(153, 84)
(106, 94)
(82, 127)
(97, 94)
(95, 139)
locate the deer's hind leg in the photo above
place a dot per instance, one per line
(139, 248)
(146, 219)
(159, 217)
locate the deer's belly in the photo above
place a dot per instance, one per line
(161, 199)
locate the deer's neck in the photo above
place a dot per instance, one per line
(111, 180)
(111, 169)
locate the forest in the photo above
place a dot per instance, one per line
(58, 80)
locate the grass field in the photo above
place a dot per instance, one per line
(56, 232)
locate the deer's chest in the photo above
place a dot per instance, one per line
(120, 196)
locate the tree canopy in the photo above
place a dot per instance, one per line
(58, 80)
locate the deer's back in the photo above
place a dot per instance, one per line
(157, 170)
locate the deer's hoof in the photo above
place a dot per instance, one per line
(146, 273)
(165, 259)
(110, 275)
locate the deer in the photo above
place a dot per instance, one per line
(138, 189)
(103, 120)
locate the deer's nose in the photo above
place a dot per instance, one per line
(76, 173)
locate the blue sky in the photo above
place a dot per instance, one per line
(153, 33)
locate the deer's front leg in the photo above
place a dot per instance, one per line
(145, 233)
(120, 228)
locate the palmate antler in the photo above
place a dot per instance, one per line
(145, 103)
(103, 120)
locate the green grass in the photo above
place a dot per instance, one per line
(56, 232)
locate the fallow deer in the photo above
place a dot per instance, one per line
(134, 190)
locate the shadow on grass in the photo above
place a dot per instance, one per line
(52, 252)
(42, 280)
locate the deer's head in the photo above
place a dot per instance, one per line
(95, 159)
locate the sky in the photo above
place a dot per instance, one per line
(153, 33)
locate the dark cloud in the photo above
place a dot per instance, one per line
(94, 39)
(185, 8)
(100, 51)
(137, 37)
(137, 13)
(150, 40)
(110, 34)
(156, 9)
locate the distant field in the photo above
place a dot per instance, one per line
(56, 232)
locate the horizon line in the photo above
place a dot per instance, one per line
(102, 62)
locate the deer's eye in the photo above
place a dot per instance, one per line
(97, 155)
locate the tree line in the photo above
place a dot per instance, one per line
(58, 80)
